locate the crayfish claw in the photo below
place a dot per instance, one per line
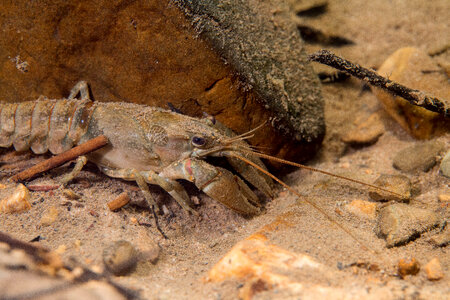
(218, 183)
(231, 191)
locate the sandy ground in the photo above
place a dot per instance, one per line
(196, 243)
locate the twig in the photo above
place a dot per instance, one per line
(62, 158)
(42, 188)
(118, 202)
(415, 97)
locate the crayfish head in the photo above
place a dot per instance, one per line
(237, 151)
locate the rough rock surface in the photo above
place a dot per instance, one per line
(259, 33)
(399, 184)
(420, 157)
(399, 223)
(445, 165)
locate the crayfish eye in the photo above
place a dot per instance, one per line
(198, 141)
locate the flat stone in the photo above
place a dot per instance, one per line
(263, 266)
(367, 130)
(120, 257)
(419, 157)
(399, 223)
(399, 184)
(305, 5)
(434, 270)
(445, 165)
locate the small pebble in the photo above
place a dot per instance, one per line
(434, 270)
(408, 267)
(368, 130)
(49, 216)
(363, 208)
(399, 223)
(445, 165)
(118, 202)
(396, 183)
(445, 198)
(71, 194)
(420, 157)
(18, 201)
(120, 257)
(61, 249)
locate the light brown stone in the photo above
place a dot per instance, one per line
(262, 266)
(363, 208)
(434, 270)
(399, 184)
(368, 128)
(49, 216)
(445, 198)
(18, 201)
(399, 223)
(405, 66)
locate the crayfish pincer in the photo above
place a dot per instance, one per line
(146, 144)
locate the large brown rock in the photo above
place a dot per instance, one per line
(153, 52)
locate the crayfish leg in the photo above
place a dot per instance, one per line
(82, 88)
(133, 175)
(81, 161)
(172, 187)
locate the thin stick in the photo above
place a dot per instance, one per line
(119, 202)
(318, 208)
(62, 158)
(415, 97)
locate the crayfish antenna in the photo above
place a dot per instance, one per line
(287, 162)
(314, 205)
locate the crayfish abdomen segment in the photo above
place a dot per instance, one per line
(43, 125)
